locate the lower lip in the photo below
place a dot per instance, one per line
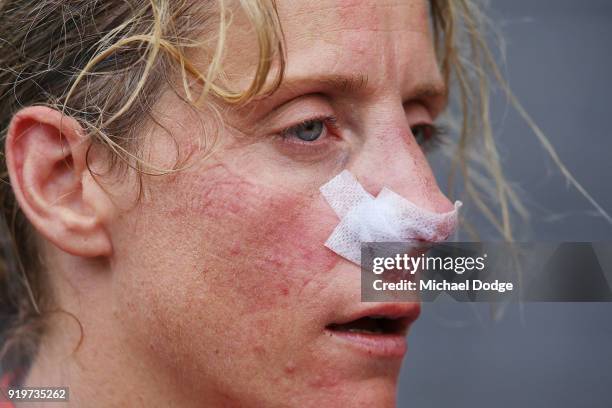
(374, 345)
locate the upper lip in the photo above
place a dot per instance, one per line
(402, 313)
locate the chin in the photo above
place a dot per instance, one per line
(379, 393)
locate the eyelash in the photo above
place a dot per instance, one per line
(329, 121)
(433, 141)
(436, 137)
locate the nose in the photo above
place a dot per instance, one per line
(390, 157)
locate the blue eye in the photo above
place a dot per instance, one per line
(308, 131)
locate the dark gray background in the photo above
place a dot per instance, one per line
(558, 63)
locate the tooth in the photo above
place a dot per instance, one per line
(353, 330)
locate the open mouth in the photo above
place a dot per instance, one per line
(374, 325)
(378, 331)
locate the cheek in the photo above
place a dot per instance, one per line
(262, 242)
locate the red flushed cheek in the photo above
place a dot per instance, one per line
(285, 248)
(264, 243)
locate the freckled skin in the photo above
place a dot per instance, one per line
(221, 284)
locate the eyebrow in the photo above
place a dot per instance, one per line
(429, 91)
(358, 84)
(296, 85)
(348, 84)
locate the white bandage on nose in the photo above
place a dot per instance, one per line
(387, 218)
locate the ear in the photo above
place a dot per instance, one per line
(46, 160)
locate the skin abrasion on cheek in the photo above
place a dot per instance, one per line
(388, 217)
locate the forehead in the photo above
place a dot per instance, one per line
(359, 15)
(387, 41)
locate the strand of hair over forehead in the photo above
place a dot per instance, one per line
(262, 15)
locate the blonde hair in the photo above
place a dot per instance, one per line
(103, 63)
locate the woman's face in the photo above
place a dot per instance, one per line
(222, 280)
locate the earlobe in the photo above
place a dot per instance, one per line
(46, 155)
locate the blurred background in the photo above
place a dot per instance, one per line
(558, 63)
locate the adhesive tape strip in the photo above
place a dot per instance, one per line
(388, 217)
